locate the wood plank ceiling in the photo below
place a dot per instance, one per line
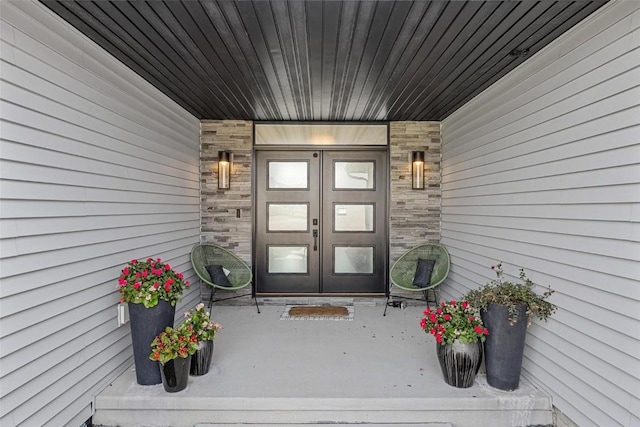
(322, 59)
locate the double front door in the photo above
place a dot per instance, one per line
(321, 221)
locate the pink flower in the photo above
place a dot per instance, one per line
(167, 267)
(137, 285)
(122, 281)
(447, 317)
(125, 271)
(156, 285)
(145, 273)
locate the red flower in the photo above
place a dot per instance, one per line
(125, 271)
(167, 287)
(123, 281)
(134, 261)
(486, 331)
(156, 285)
(144, 273)
(471, 318)
(453, 302)
(447, 317)
(478, 330)
(136, 285)
(167, 267)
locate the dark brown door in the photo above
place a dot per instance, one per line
(321, 224)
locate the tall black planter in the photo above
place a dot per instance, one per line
(146, 323)
(504, 345)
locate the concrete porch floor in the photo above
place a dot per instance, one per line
(373, 370)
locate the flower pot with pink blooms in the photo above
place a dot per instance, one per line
(205, 330)
(151, 290)
(459, 334)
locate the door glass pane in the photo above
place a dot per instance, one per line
(354, 260)
(353, 175)
(288, 175)
(353, 217)
(287, 259)
(287, 217)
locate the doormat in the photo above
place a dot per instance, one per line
(317, 312)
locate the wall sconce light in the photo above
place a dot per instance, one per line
(224, 170)
(417, 170)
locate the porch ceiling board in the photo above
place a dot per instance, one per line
(321, 59)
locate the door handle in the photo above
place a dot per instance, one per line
(315, 240)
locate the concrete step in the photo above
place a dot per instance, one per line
(373, 370)
(332, 424)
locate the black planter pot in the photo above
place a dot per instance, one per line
(175, 374)
(459, 362)
(201, 359)
(504, 345)
(146, 323)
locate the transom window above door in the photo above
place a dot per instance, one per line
(321, 134)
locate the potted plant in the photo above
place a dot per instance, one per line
(151, 288)
(205, 330)
(459, 335)
(506, 308)
(173, 349)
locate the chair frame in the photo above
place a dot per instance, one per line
(408, 262)
(238, 281)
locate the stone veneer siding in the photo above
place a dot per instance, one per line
(219, 223)
(414, 214)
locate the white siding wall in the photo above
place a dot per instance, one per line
(96, 168)
(542, 170)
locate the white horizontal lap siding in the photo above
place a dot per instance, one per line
(97, 167)
(542, 171)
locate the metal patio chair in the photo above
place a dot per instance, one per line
(239, 276)
(403, 270)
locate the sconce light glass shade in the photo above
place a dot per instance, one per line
(224, 170)
(417, 170)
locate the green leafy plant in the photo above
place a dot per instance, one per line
(454, 320)
(173, 343)
(200, 320)
(148, 282)
(505, 292)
